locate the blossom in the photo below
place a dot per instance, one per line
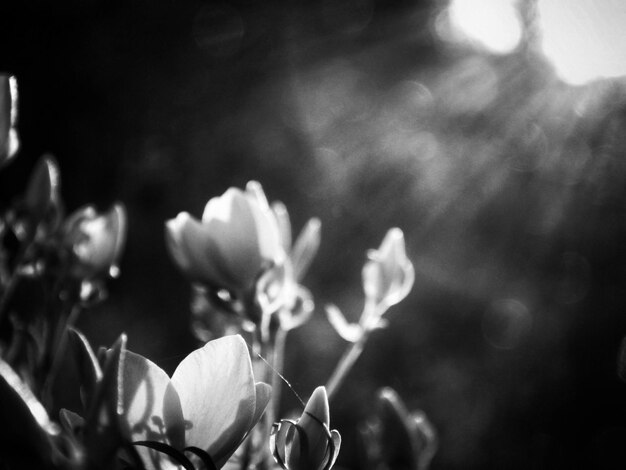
(388, 275)
(308, 443)
(96, 240)
(210, 403)
(237, 240)
(296, 302)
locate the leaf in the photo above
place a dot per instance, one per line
(351, 332)
(398, 444)
(103, 435)
(9, 141)
(88, 368)
(27, 431)
(71, 422)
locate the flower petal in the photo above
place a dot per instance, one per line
(152, 407)
(305, 248)
(311, 443)
(193, 248)
(263, 395)
(351, 332)
(174, 239)
(269, 238)
(218, 396)
(232, 227)
(284, 224)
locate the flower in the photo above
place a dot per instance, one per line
(396, 438)
(9, 142)
(307, 444)
(96, 240)
(388, 275)
(237, 240)
(296, 301)
(210, 403)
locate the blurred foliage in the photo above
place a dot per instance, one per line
(508, 185)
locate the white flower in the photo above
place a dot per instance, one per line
(388, 275)
(236, 241)
(210, 403)
(307, 444)
(95, 240)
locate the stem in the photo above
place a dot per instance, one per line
(257, 453)
(344, 365)
(370, 319)
(57, 349)
(278, 364)
(13, 280)
(7, 294)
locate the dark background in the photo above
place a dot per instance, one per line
(508, 184)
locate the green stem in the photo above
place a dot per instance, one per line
(349, 357)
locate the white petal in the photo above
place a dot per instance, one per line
(351, 332)
(151, 405)
(305, 247)
(173, 238)
(284, 224)
(201, 250)
(233, 229)
(263, 395)
(218, 396)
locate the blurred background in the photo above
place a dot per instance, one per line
(493, 133)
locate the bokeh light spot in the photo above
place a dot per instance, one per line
(586, 39)
(506, 323)
(491, 24)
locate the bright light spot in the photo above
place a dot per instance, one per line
(586, 39)
(493, 24)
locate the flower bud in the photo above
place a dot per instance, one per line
(388, 275)
(396, 438)
(96, 241)
(8, 116)
(236, 241)
(40, 210)
(307, 444)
